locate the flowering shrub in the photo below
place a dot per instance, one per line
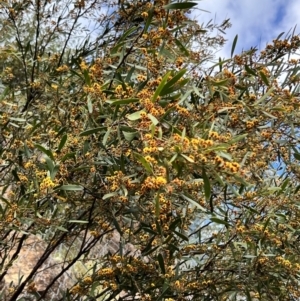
(128, 132)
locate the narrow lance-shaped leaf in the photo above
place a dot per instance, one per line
(264, 97)
(181, 5)
(144, 162)
(181, 47)
(160, 86)
(264, 78)
(45, 151)
(161, 263)
(173, 81)
(149, 19)
(234, 44)
(62, 142)
(250, 71)
(92, 131)
(157, 206)
(71, 187)
(135, 116)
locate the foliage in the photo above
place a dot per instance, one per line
(128, 131)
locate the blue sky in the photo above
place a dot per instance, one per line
(256, 22)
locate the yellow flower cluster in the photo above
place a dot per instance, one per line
(87, 280)
(63, 68)
(106, 272)
(47, 183)
(285, 262)
(22, 177)
(77, 289)
(154, 183)
(150, 150)
(96, 70)
(95, 90)
(150, 159)
(144, 14)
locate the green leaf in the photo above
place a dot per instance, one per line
(219, 83)
(219, 221)
(109, 195)
(87, 77)
(160, 86)
(149, 251)
(182, 48)
(250, 71)
(224, 155)
(50, 164)
(194, 203)
(116, 224)
(115, 102)
(238, 138)
(92, 131)
(45, 151)
(106, 136)
(161, 263)
(89, 104)
(129, 136)
(207, 188)
(157, 206)
(264, 97)
(297, 156)
(149, 19)
(62, 142)
(116, 48)
(180, 5)
(264, 78)
(71, 187)
(54, 171)
(62, 228)
(233, 45)
(5, 92)
(143, 162)
(17, 119)
(138, 67)
(68, 156)
(128, 32)
(135, 115)
(187, 158)
(269, 115)
(129, 74)
(153, 119)
(77, 221)
(172, 82)
(182, 236)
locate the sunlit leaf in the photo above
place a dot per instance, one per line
(160, 86)
(153, 119)
(143, 161)
(71, 187)
(92, 131)
(172, 81)
(45, 151)
(115, 102)
(135, 115)
(194, 203)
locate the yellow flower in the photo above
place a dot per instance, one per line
(144, 14)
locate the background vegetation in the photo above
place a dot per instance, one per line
(124, 132)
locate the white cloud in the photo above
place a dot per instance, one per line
(256, 22)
